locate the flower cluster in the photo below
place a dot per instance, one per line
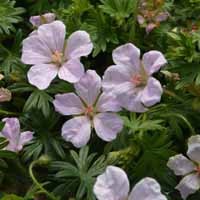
(182, 166)
(127, 84)
(151, 15)
(113, 184)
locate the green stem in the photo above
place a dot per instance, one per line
(4, 112)
(172, 94)
(51, 196)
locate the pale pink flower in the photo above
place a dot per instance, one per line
(190, 169)
(113, 184)
(46, 18)
(130, 79)
(91, 109)
(50, 54)
(11, 132)
(5, 95)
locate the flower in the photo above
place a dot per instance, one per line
(42, 19)
(182, 166)
(131, 78)
(113, 184)
(11, 131)
(92, 109)
(5, 95)
(50, 54)
(150, 17)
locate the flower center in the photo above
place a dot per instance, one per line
(198, 170)
(138, 80)
(57, 57)
(89, 111)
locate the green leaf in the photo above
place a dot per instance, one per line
(11, 197)
(119, 9)
(9, 15)
(39, 100)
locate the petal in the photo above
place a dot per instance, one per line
(113, 184)
(77, 131)
(35, 51)
(108, 102)
(71, 71)
(162, 16)
(150, 27)
(180, 165)
(68, 104)
(53, 35)
(152, 92)
(130, 98)
(194, 148)
(25, 137)
(78, 44)
(35, 20)
(11, 129)
(153, 61)
(127, 54)
(140, 19)
(42, 75)
(115, 75)
(49, 17)
(42, 19)
(89, 86)
(189, 185)
(147, 189)
(107, 125)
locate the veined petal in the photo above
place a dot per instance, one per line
(113, 184)
(127, 54)
(153, 61)
(108, 102)
(24, 138)
(152, 92)
(115, 75)
(107, 125)
(53, 35)
(78, 44)
(68, 104)
(189, 185)
(41, 75)
(147, 189)
(71, 71)
(11, 129)
(35, 51)
(77, 131)
(130, 98)
(180, 165)
(194, 148)
(89, 87)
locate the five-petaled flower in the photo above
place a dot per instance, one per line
(131, 78)
(113, 184)
(11, 132)
(50, 54)
(91, 109)
(182, 166)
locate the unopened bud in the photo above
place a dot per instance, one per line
(5, 95)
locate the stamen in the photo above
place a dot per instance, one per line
(137, 80)
(198, 170)
(57, 57)
(89, 111)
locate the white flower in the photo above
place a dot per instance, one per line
(182, 166)
(113, 184)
